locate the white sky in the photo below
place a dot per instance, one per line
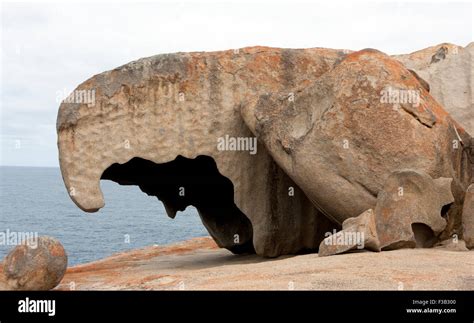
(48, 49)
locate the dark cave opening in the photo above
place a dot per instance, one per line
(424, 236)
(197, 182)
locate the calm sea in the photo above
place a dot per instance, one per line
(35, 200)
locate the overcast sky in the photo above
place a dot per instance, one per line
(48, 49)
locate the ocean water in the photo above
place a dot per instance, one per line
(34, 199)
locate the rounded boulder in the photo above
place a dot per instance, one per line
(39, 264)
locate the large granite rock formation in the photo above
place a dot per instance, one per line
(342, 137)
(330, 130)
(162, 107)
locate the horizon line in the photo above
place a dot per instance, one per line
(32, 166)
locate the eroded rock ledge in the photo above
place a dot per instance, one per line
(332, 127)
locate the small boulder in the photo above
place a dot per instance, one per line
(357, 233)
(37, 265)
